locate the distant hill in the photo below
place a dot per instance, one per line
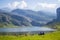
(39, 16)
(55, 23)
(20, 17)
(57, 20)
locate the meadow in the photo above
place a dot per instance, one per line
(48, 36)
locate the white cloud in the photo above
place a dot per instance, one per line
(22, 4)
(46, 5)
(17, 4)
(13, 5)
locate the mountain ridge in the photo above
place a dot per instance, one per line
(22, 17)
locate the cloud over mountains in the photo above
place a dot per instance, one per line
(47, 5)
(16, 4)
(23, 5)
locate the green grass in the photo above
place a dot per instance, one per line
(49, 36)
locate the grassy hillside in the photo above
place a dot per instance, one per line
(54, 25)
(50, 36)
(10, 20)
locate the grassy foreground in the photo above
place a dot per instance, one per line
(50, 36)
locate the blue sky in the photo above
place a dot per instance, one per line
(35, 5)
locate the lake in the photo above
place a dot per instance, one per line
(26, 29)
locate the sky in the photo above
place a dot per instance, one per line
(36, 5)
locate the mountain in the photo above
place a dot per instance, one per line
(39, 16)
(20, 17)
(57, 20)
(55, 23)
(58, 14)
(7, 19)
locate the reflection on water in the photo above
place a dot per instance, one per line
(25, 29)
